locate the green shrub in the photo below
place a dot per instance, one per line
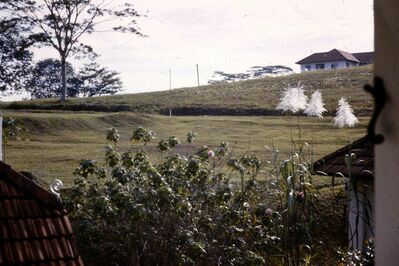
(190, 210)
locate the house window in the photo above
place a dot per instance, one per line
(319, 66)
(334, 65)
(308, 67)
(347, 64)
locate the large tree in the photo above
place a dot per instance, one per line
(91, 80)
(45, 81)
(97, 80)
(64, 22)
(15, 57)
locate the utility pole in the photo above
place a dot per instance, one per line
(170, 88)
(198, 76)
(170, 79)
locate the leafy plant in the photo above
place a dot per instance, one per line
(191, 137)
(142, 135)
(11, 131)
(188, 210)
(113, 135)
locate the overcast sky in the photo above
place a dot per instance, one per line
(230, 36)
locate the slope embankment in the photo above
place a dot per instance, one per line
(258, 97)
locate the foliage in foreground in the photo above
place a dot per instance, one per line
(187, 210)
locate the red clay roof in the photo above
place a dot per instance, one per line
(362, 165)
(34, 227)
(333, 55)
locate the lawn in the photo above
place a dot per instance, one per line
(54, 142)
(55, 137)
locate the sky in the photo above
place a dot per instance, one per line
(230, 36)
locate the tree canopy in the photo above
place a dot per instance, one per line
(45, 81)
(15, 58)
(62, 23)
(90, 80)
(97, 80)
(253, 72)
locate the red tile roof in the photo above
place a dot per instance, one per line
(333, 55)
(34, 227)
(362, 165)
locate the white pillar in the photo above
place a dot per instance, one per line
(386, 16)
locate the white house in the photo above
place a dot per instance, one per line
(334, 59)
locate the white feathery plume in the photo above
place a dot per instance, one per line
(345, 116)
(315, 106)
(293, 99)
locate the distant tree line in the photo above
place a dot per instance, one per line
(91, 80)
(253, 72)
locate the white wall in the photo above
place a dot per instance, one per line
(361, 211)
(327, 65)
(386, 66)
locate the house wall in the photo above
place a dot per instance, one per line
(361, 211)
(328, 65)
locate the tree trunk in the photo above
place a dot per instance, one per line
(63, 79)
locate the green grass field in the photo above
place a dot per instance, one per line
(56, 141)
(256, 95)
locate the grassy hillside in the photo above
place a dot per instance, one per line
(252, 97)
(54, 142)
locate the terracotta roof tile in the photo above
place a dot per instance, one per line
(9, 256)
(66, 247)
(46, 249)
(62, 264)
(38, 251)
(7, 208)
(3, 230)
(28, 250)
(362, 165)
(67, 225)
(23, 229)
(60, 228)
(34, 228)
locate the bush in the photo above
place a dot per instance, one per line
(191, 211)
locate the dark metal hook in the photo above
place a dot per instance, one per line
(380, 97)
